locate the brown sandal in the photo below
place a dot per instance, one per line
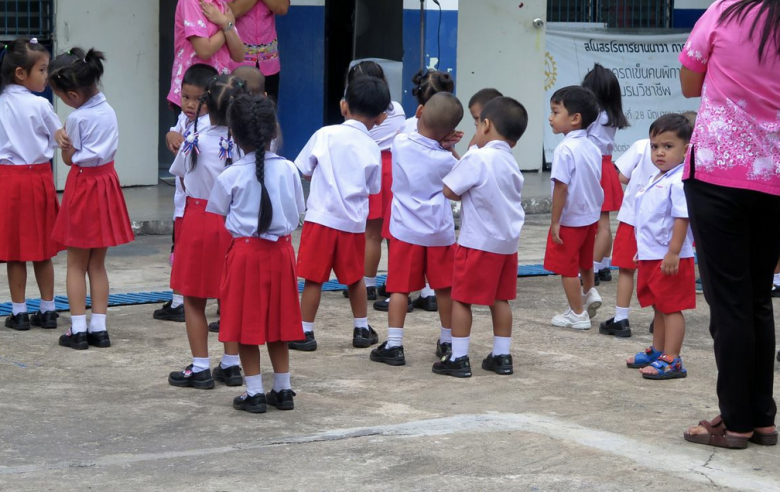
(716, 436)
(764, 438)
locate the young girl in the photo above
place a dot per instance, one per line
(203, 243)
(260, 286)
(605, 85)
(28, 199)
(94, 215)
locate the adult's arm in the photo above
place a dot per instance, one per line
(278, 7)
(206, 47)
(691, 82)
(227, 22)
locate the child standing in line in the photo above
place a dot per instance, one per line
(421, 224)
(667, 277)
(28, 198)
(576, 204)
(262, 197)
(345, 166)
(477, 103)
(93, 215)
(488, 182)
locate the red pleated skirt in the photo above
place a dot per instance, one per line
(610, 183)
(93, 213)
(259, 300)
(201, 245)
(28, 212)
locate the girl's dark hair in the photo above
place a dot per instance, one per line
(220, 91)
(605, 85)
(252, 121)
(76, 70)
(429, 82)
(769, 10)
(19, 53)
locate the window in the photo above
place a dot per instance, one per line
(26, 18)
(613, 13)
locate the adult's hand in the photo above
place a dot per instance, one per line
(213, 14)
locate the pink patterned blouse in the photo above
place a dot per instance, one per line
(258, 31)
(736, 140)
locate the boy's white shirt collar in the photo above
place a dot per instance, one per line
(357, 124)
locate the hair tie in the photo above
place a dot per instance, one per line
(84, 60)
(69, 52)
(34, 41)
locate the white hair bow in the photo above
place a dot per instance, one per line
(34, 41)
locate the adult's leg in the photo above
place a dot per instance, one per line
(272, 87)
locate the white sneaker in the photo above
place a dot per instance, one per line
(570, 320)
(591, 301)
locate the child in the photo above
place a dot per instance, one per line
(204, 241)
(262, 197)
(421, 224)
(478, 102)
(255, 81)
(93, 215)
(344, 165)
(489, 183)
(667, 280)
(28, 199)
(601, 132)
(577, 197)
(193, 87)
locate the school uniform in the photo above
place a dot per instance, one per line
(203, 242)
(94, 213)
(658, 204)
(576, 163)
(421, 224)
(259, 288)
(410, 125)
(344, 164)
(184, 127)
(603, 137)
(489, 182)
(383, 135)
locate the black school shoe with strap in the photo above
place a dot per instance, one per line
(282, 400)
(364, 337)
(214, 327)
(604, 275)
(370, 293)
(76, 341)
(308, 344)
(429, 303)
(252, 404)
(99, 339)
(500, 364)
(18, 322)
(621, 329)
(189, 379)
(168, 313)
(47, 320)
(443, 349)
(230, 376)
(393, 356)
(384, 305)
(459, 368)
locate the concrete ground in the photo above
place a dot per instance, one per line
(572, 417)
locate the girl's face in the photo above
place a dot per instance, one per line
(35, 79)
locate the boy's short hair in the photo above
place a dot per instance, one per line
(508, 116)
(675, 123)
(484, 96)
(199, 75)
(577, 99)
(368, 96)
(254, 78)
(443, 112)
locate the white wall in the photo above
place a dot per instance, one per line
(128, 33)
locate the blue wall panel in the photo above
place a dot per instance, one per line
(686, 18)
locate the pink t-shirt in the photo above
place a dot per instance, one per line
(258, 31)
(190, 21)
(737, 135)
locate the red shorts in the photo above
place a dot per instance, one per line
(574, 254)
(324, 249)
(480, 277)
(668, 293)
(410, 264)
(610, 183)
(378, 204)
(624, 247)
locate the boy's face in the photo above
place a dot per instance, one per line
(667, 150)
(475, 111)
(190, 96)
(560, 119)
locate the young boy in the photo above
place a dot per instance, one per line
(667, 280)
(477, 103)
(193, 85)
(345, 166)
(488, 182)
(576, 204)
(421, 225)
(254, 78)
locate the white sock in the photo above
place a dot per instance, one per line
(78, 324)
(254, 384)
(446, 335)
(501, 345)
(97, 323)
(177, 301)
(308, 327)
(282, 381)
(370, 281)
(460, 347)
(606, 262)
(361, 322)
(776, 279)
(47, 306)
(395, 337)
(200, 364)
(427, 291)
(621, 313)
(228, 361)
(19, 307)
(597, 266)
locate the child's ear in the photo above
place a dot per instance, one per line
(576, 119)
(487, 125)
(418, 113)
(344, 108)
(20, 74)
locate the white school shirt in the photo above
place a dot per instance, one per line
(421, 214)
(637, 165)
(489, 182)
(198, 182)
(410, 125)
(94, 132)
(577, 163)
(601, 135)
(236, 194)
(184, 127)
(345, 166)
(384, 134)
(27, 127)
(658, 204)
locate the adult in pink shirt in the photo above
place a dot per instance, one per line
(732, 173)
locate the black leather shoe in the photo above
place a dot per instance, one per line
(251, 404)
(364, 337)
(214, 327)
(370, 293)
(775, 290)
(651, 326)
(76, 341)
(459, 368)
(620, 329)
(168, 313)
(19, 322)
(99, 339)
(308, 344)
(443, 349)
(187, 378)
(230, 376)
(47, 320)
(426, 303)
(384, 305)
(605, 275)
(500, 364)
(282, 400)
(596, 280)
(382, 291)
(393, 356)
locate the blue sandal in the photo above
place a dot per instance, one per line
(667, 368)
(644, 359)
